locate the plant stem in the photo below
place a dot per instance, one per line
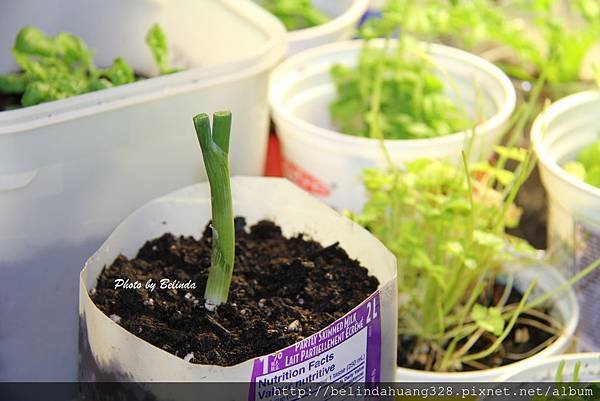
(507, 329)
(215, 152)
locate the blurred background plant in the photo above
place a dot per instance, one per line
(521, 36)
(295, 14)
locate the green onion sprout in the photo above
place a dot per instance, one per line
(215, 152)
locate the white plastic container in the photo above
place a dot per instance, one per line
(545, 370)
(566, 311)
(329, 164)
(558, 134)
(70, 170)
(345, 16)
(109, 352)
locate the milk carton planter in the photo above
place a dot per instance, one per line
(344, 17)
(565, 310)
(109, 352)
(60, 159)
(329, 163)
(558, 134)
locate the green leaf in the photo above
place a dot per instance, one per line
(120, 73)
(488, 239)
(157, 42)
(593, 176)
(490, 319)
(576, 169)
(32, 41)
(590, 155)
(13, 83)
(518, 154)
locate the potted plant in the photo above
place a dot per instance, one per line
(564, 132)
(426, 96)
(474, 302)
(62, 66)
(529, 40)
(312, 23)
(60, 158)
(300, 297)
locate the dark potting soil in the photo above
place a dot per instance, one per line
(9, 102)
(283, 290)
(522, 339)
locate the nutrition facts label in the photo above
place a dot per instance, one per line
(347, 351)
(587, 250)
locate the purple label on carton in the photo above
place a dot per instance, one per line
(587, 250)
(347, 351)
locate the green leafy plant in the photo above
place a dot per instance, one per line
(587, 165)
(295, 14)
(157, 42)
(62, 66)
(446, 226)
(522, 36)
(215, 152)
(402, 79)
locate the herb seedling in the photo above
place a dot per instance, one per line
(157, 42)
(446, 226)
(412, 99)
(527, 35)
(61, 66)
(295, 14)
(215, 152)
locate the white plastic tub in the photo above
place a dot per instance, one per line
(345, 16)
(545, 370)
(566, 311)
(70, 170)
(109, 352)
(558, 134)
(329, 164)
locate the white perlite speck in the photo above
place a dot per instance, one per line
(188, 357)
(294, 326)
(116, 318)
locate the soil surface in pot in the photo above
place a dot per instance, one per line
(525, 339)
(9, 102)
(283, 290)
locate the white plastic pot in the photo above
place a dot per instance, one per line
(345, 16)
(545, 370)
(328, 163)
(558, 135)
(71, 169)
(565, 310)
(109, 352)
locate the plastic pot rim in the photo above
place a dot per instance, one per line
(280, 111)
(538, 130)
(591, 356)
